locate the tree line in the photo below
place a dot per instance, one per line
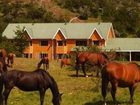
(123, 14)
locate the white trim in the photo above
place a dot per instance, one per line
(123, 50)
(25, 29)
(97, 32)
(130, 56)
(57, 32)
(73, 19)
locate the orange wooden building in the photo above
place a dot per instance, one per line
(55, 39)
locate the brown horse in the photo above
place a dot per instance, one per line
(38, 80)
(65, 61)
(10, 59)
(45, 62)
(120, 75)
(3, 53)
(3, 68)
(95, 59)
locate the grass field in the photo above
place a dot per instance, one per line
(76, 91)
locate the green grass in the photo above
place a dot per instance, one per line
(76, 91)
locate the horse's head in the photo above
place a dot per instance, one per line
(57, 100)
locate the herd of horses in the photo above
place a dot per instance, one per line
(113, 72)
(37, 80)
(117, 74)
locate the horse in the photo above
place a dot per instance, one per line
(3, 64)
(120, 75)
(95, 59)
(45, 62)
(3, 68)
(10, 59)
(65, 61)
(3, 53)
(38, 80)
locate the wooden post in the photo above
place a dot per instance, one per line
(130, 56)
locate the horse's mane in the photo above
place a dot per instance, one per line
(105, 55)
(50, 79)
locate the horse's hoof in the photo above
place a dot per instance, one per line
(86, 76)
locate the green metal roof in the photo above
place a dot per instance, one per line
(123, 44)
(49, 30)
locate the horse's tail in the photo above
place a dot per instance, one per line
(105, 81)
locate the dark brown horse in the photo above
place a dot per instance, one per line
(95, 59)
(65, 61)
(120, 75)
(10, 59)
(38, 80)
(45, 62)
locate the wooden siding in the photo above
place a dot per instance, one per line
(52, 49)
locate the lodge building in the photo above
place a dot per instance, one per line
(55, 39)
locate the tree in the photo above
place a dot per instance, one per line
(20, 41)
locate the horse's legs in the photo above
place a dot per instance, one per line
(42, 94)
(61, 65)
(131, 89)
(6, 94)
(113, 91)
(77, 67)
(44, 66)
(98, 71)
(83, 69)
(105, 82)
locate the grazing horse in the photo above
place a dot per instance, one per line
(120, 75)
(10, 59)
(95, 59)
(45, 62)
(65, 61)
(38, 80)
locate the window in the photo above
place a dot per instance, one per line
(81, 43)
(30, 43)
(65, 43)
(44, 43)
(42, 55)
(59, 56)
(60, 43)
(96, 43)
(30, 55)
(26, 55)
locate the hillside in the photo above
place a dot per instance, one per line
(123, 14)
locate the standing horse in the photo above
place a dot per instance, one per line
(45, 62)
(65, 61)
(10, 59)
(120, 75)
(3, 68)
(3, 53)
(95, 59)
(38, 80)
